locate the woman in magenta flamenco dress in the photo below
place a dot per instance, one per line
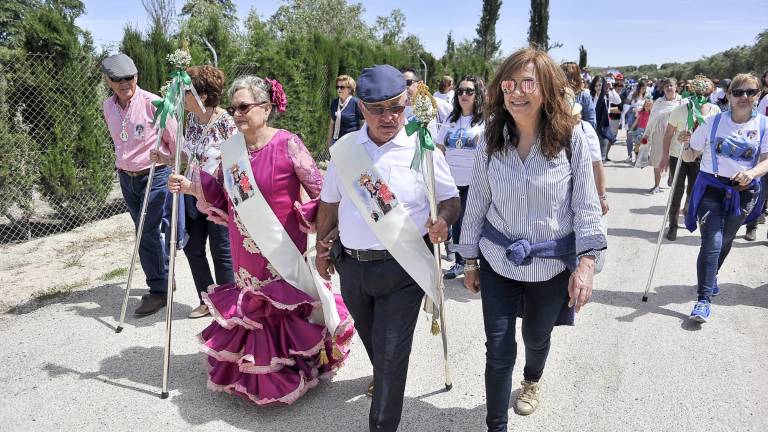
(261, 345)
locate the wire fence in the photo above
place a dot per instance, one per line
(58, 169)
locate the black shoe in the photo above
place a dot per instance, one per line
(150, 303)
(672, 233)
(751, 234)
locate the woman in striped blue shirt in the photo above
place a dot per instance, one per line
(533, 222)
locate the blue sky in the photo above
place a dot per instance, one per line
(614, 33)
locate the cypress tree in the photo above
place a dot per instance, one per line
(582, 56)
(485, 42)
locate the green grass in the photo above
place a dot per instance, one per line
(59, 290)
(114, 274)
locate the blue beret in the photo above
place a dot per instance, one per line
(379, 83)
(118, 66)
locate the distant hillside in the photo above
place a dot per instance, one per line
(724, 64)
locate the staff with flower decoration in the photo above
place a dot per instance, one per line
(425, 110)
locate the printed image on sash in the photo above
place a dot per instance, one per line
(139, 131)
(376, 193)
(238, 183)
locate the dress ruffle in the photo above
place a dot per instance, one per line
(262, 347)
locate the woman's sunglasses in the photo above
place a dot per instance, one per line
(465, 91)
(341, 87)
(121, 79)
(742, 92)
(243, 108)
(527, 86)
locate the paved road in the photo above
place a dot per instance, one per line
(626, 366)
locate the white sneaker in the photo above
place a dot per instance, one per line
(528, 399)
(199, 311)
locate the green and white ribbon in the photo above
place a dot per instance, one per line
(695, 103)
(425, 142)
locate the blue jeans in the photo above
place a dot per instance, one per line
(153, 250)
(201, 229)
(718, 229)
(456, 227)
(628, 120)
(501, 300)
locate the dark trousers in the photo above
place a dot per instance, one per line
(685, 182)
(501, 299)
(153, 250)
(200, 229)
(456, 227)
(384, 302)
(718, 228)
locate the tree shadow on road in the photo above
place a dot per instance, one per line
(731, 295)
(331, 406)
(684, 237)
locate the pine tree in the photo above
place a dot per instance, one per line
(450, 47)
(538, 32)
(486, 42)
(582, 57)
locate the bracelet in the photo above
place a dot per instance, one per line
(471, 267)
(603, 197)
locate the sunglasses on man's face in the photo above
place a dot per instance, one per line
(527, 86)
(340, 87)
(243, 108)
(742, 92)
(379, 110)
(465, 91)
(121, 79)
(410, 82)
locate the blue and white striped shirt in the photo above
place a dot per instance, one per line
(536, 199)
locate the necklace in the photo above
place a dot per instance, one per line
(123, 120)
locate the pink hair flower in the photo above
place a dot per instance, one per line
(279, 99)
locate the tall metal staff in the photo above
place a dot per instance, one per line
(694, 115)
(173, 242)
(425, 110)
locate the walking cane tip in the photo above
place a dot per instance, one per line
(118, 329)
(448, 387)
(645, 299)
(164, 395)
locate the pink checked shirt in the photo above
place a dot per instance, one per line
(133, 155)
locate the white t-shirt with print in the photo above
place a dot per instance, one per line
(737, 144)
(762, 107)
(460, 139)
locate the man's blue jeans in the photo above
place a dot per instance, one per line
(718, 229)
(153, 251)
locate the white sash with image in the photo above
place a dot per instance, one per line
(391, 224)
(269, 234)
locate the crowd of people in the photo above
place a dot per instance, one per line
(520, 192)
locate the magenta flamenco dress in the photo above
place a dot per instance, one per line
(261, 345)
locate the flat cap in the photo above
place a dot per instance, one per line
(118, 66)
(380, 83)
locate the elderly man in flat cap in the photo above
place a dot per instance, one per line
(129, 113)
(383, 251)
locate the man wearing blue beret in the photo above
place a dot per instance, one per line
(382, 248)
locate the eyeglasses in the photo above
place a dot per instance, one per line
(409, 82)
(742, 92)
(121, 79)
(243, 108)
(378, 110)
(341, 87)
(527, 86)
(465, 91)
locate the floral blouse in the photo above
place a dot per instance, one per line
(203, 143)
